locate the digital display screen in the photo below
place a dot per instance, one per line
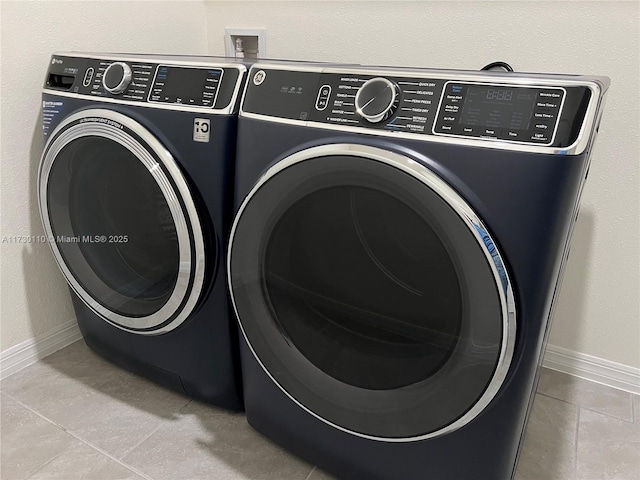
(498, 107)
(187, 86)
(500, 112)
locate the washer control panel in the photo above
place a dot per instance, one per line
(192, 86)
(140, 80)
(423, 104)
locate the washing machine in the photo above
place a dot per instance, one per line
(398, 245)
(135, 193)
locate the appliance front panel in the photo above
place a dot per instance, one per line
(371, 293)
(122, 222)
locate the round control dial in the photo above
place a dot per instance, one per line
(377, 99)
(116, 77)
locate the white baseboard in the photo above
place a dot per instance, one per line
(561, 359)
(30, 351)
(592, 368)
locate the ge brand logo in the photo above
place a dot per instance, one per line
(259, 77)
(201, 129)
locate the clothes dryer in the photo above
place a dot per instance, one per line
(398, 245)
(135, 193)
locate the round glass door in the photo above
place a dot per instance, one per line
(121, 221)
(371, 293)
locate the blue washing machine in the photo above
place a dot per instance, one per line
(135, 193)
(399, 241)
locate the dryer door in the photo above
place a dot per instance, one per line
(122, 222)
(371, 293)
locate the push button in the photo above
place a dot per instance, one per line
(515, 135)
(490, 132)
(541, 137)
(470, 131)
(543, 126)
(548, 103)
(544, 115)
(88, 76)
(323, 97)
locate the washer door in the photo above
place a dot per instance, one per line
(122, 222)
(371, 293)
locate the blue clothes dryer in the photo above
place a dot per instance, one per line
(399, 240)
(135, 193)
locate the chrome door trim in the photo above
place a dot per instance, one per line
(112, 129)
(466, 214)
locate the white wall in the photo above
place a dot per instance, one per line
(598, 311)
(34, 298)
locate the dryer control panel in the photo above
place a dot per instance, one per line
(147, 80)
(505, 112)
(535, 110)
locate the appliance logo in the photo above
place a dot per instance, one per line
(201, 129)
(259, 77)
(55, 61)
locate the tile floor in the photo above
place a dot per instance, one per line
(75, 416)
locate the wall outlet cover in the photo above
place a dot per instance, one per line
(245, 42)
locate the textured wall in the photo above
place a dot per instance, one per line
(34, 299)
(599, 307)
(598, 310)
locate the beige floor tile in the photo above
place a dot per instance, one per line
(27, 441)
(549, 446)
(608, 448)
(207, 443)
(84, 462)
(158, 436)
(97, 401)
(591, 395)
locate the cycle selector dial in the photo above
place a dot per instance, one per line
(377, 99)
(116, 77)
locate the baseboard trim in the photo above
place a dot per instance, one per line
(581, 365)
(606, 372)
(30, 351)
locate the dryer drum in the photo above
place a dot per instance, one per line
(371, 293)
(127, 234)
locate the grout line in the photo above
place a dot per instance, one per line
(591, 409)
(180, 410)
(36, 412)
(160, 424)
(311, 472)
(107, 454)
(46, 420)
(48, 462)
(575, 447)
(74, 435)
(558, 399)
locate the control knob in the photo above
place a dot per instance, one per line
(116, 77)
(377, 99)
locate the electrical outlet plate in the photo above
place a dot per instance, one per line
(253, 42)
